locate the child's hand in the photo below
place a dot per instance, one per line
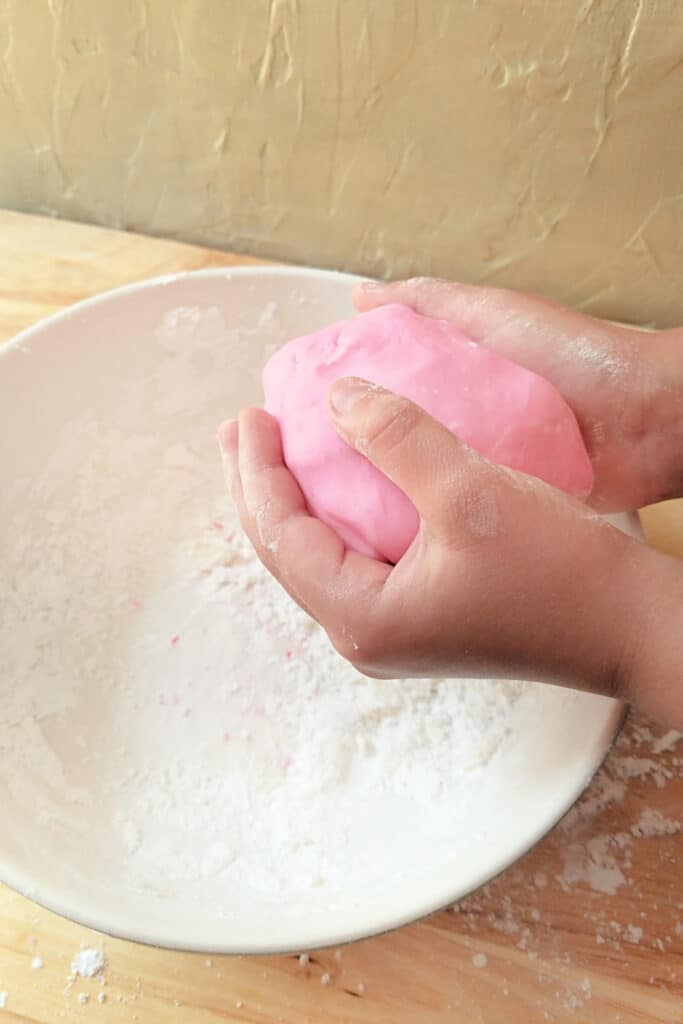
(507, 576)
(625, 386)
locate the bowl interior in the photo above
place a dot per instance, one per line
(182, 760)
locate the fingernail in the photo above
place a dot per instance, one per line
(371, 286)
(225, 446)
(345, 393)
(226, 462)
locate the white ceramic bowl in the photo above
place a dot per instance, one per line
(111, 782)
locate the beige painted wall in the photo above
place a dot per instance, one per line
(537, 144)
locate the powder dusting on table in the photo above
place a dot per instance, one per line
(599, 865)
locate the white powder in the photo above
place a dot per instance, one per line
(36, 963)
(630, 767)
(302, 736)
(652, 823)
(594, 863)
(172, 717)
(667, 742)
(87, 963)
(3, 1000)
(480, 960)
(267, 768)
(602, 861)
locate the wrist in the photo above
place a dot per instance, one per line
(663, 415)
(649, 673)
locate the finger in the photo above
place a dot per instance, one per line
(271, 494)
(228, 440)
(435, 469)
(478, 310)
(331, 582)
(475, 310)
(572, 350)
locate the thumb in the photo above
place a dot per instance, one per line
(436, 470)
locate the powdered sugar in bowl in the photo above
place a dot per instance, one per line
(183, 760)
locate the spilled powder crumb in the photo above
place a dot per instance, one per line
(88, 962)
(666, 742)
(653, 823)
(594, 863)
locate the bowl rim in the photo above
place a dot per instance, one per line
(164, 280)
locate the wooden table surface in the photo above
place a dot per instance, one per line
(587, 927)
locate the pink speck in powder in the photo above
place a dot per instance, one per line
(226, 737)
(287, 762)
(216, 525)
(175, 640)
(288, 655)
(135, 603)
(187, 712)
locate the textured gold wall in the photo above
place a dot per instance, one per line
(537, 144)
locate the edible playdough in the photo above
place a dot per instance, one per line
(509, 414)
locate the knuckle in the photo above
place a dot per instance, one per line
(428, 285)
(360, 647)
(473, 507)
(345, 646)
(389, 426)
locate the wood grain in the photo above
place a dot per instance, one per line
(588, 927)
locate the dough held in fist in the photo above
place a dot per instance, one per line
(509, 414)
